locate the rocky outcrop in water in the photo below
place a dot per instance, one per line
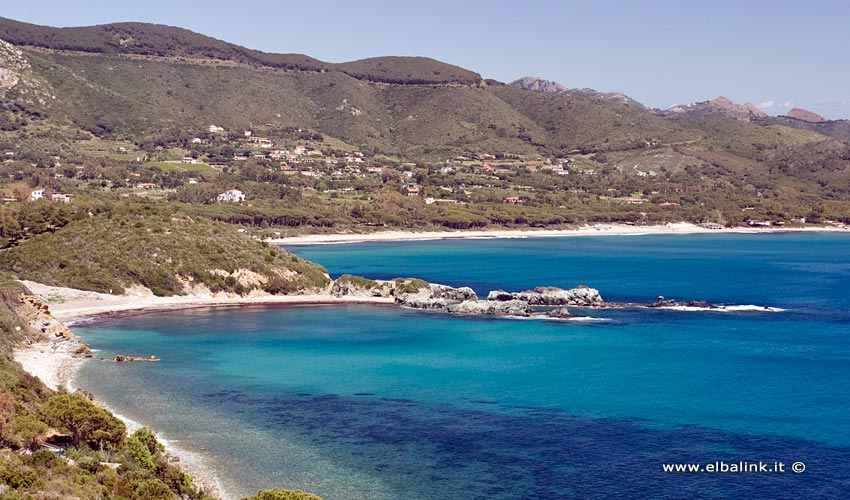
(491, 308)
(551, 296)
(561, 313)
(436, 296)
(530, 303)
(700, 304)
(121, 358)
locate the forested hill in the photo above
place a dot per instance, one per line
(168, 41)
(158, 89)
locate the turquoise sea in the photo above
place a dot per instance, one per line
(367, 402)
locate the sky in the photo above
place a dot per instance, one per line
(776, 54)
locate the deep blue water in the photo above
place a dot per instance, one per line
(385, 403)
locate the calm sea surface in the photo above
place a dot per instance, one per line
(362, 402)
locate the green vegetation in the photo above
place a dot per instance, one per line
(357, 281)
(179, 167)
(86, 423)
(409, 285)
(103, 463)
(277, 494)
(408, 70)
(162, 251)
(131, 91)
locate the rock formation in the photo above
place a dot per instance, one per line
(718, 105)
(530, 303)
(552, 296)
(806, 115)
(701, 304)
(491, 308)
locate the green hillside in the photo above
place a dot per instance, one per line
(164, 253)
(153, 91)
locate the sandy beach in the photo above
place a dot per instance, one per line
(595, 230)
(54, 361)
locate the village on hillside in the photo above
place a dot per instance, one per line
(281, 168)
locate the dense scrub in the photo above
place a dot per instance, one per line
(162, 252)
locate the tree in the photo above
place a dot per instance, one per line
(139, 452)
(86, 422)
(277, 494)
(152, 489)
(26, 431)
(7, 410)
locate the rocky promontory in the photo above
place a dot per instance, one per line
(530, 303)
(580, 296)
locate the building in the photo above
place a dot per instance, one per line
(215, 129)
(36, 195)
(189, 160)
(514, 200)
(62, 197)
(411, 189)
(231, 195)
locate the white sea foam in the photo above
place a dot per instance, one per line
(748, 307)
(587, 318)
(543, 317)
(751, 307)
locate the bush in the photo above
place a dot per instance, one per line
(44, 458)
(139, 453)
(277, 494)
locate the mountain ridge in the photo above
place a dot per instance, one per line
(538, 84)
(132, 38)
(393, 107)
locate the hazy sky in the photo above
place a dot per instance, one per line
(776, 54)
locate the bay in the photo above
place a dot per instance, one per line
(381, 402)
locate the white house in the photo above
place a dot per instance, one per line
(196, 140)
(62, 197)
(38, 194)
(190, 160)
(215, 129)
(231, 195)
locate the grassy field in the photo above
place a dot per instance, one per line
(179, 167)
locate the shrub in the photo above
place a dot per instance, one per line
(278, 494)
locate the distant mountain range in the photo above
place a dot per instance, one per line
(550, 87)
(160, 84)
(721, 106)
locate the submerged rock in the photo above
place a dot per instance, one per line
(120, 358)
(561, 313)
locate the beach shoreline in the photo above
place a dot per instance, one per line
(596, 230)
(56, 360)
(71, 306)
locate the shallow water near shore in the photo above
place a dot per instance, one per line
(359, 402)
